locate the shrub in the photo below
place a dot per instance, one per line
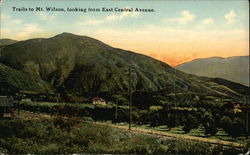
(40, 137)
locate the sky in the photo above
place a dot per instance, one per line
(176, 32)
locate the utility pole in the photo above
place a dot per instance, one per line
(246, 100)
(130, 99)
(116, 106)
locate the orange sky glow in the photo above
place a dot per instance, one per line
(175, 53)
(176, 32)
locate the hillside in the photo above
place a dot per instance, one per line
(233, 68)
(11, 79)
(82, 66)
(6, 42)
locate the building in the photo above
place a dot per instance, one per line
(6, 106)
(98, 101)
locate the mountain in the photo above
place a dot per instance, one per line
(10, 79)
(233, 68)
(73, 65)
(7, 42)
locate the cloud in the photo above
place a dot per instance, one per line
(186, 17)
(110, 18)
(230, 17)
(23, 31)
(28, 30)
(17, 21)
(5, 31)
(208, 21)
(121, 16)
(5, 17)
(45, 16)
(90, 21)
(8, 19)
(162, 34)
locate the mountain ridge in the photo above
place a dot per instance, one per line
(213, 57)
(81, 66)
(228, 68)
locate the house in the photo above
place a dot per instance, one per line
(6, 106)
(236, 106)
(237, 109)
(98, 101)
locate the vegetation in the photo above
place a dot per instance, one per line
(12, 80)
(78, 66)
(74, 69)
(43, 137)
(226, 68)
(211, 117)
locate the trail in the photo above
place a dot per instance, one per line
(177, 136)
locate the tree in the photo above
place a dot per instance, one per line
(189, 122)
(172, 120)
(155, 117)
(209, 124)
(233, 127)
(226, 123)
(236, 128)
(142, 117)
(210, 129)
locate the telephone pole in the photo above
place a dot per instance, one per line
(130, 99)
(116, 111)
(246, 100)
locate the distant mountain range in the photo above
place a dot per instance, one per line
(74, 65)
(233, 68)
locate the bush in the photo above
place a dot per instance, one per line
(40, 137)
(190, 122)
(188, 147)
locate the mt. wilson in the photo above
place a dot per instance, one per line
(83, 66)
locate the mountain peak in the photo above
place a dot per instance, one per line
(65, 34)
(68, 35)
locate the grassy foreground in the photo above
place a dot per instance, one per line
(47, 137)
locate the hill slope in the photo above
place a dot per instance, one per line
(6, 42)
(82, 66)
(234, 68)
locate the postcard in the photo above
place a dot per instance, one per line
(124, 77)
